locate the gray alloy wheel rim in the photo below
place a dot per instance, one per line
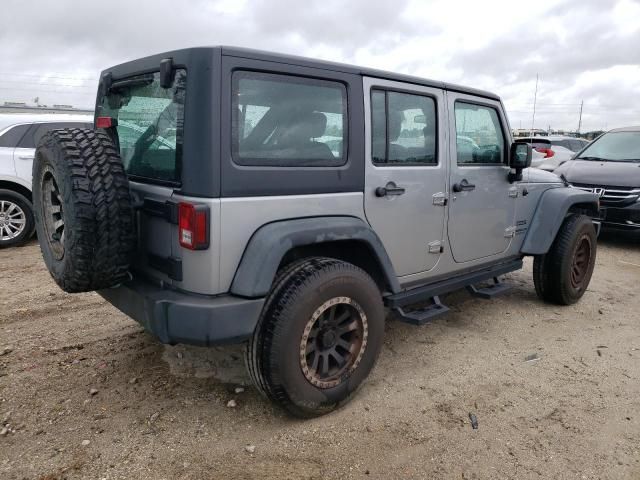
(53, 215)
(13, 220)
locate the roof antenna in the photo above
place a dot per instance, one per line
(533, 119)
(535, 98)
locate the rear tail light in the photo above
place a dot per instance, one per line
(193, 226)
(106, 122)
(548, 153)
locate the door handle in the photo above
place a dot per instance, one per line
(25, 157)
(463, 186)
(389, 190)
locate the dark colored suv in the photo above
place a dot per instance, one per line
(610, 167)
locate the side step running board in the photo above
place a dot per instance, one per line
(422, 315)
(424, 293)
(489, 291)
(436, 308)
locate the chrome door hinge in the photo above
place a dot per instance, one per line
(439, 199)
(513, 192)
(510, 232)
(435, 247)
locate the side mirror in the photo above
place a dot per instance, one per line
(519, 158)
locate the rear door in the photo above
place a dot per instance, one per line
(9, 140)
(406, 171)
(483, 202)
(149, 133)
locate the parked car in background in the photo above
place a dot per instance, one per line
(610, 167)
(19, 135)
(570, 143)
(552, 151)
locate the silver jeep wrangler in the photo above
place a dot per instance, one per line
(229, 195)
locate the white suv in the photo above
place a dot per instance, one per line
(19, 135)
(552, 151)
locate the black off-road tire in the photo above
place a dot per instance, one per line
(79, 179)
(274, 352)
(23, 213)
(562, 275)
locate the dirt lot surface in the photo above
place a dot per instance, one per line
(85, 393)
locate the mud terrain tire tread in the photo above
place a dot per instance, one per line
(98, 214)
(291, 290)
(551, 270)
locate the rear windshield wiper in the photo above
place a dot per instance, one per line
(131, 82)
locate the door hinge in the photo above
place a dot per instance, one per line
(435, 247)
(510, 232)
(439, 199)
(513, 192)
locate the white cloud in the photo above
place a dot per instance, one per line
(582, 49)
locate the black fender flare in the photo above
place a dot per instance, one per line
(551, 211)
(272, 241)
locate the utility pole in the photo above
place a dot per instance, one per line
(580, 119)
(535, 98)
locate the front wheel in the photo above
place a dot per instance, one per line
(562, 275)
(318, 337)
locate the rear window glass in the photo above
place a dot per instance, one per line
(38, 130)
(561, 143)
(150, 124)
(12, 136)
(288, 121)
(577, 145)
(535, 142)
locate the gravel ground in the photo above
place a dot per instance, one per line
(85, 393)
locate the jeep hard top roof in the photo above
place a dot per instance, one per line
(194, 53)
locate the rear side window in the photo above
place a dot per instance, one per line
(12, 137)
(38, 130)
(403, 129)
(574, 146)
(287, 121)
(536, 142)
(577, 145)
(150, 125)
(479, 137)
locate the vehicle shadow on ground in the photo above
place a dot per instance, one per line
(207, 380)
(620, 239)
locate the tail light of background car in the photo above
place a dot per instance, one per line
(193, 226)
(548, 153)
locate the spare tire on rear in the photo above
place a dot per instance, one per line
(83, 211)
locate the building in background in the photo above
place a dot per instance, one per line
(21, 107)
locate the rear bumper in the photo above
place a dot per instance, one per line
(176, 317)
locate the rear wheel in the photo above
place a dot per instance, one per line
(318, 337)
(562, 275)
(16, 219)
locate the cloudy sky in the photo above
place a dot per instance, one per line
(582, 50)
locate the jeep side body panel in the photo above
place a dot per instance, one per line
(235, 196)
(428, 204)
(551, 210)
